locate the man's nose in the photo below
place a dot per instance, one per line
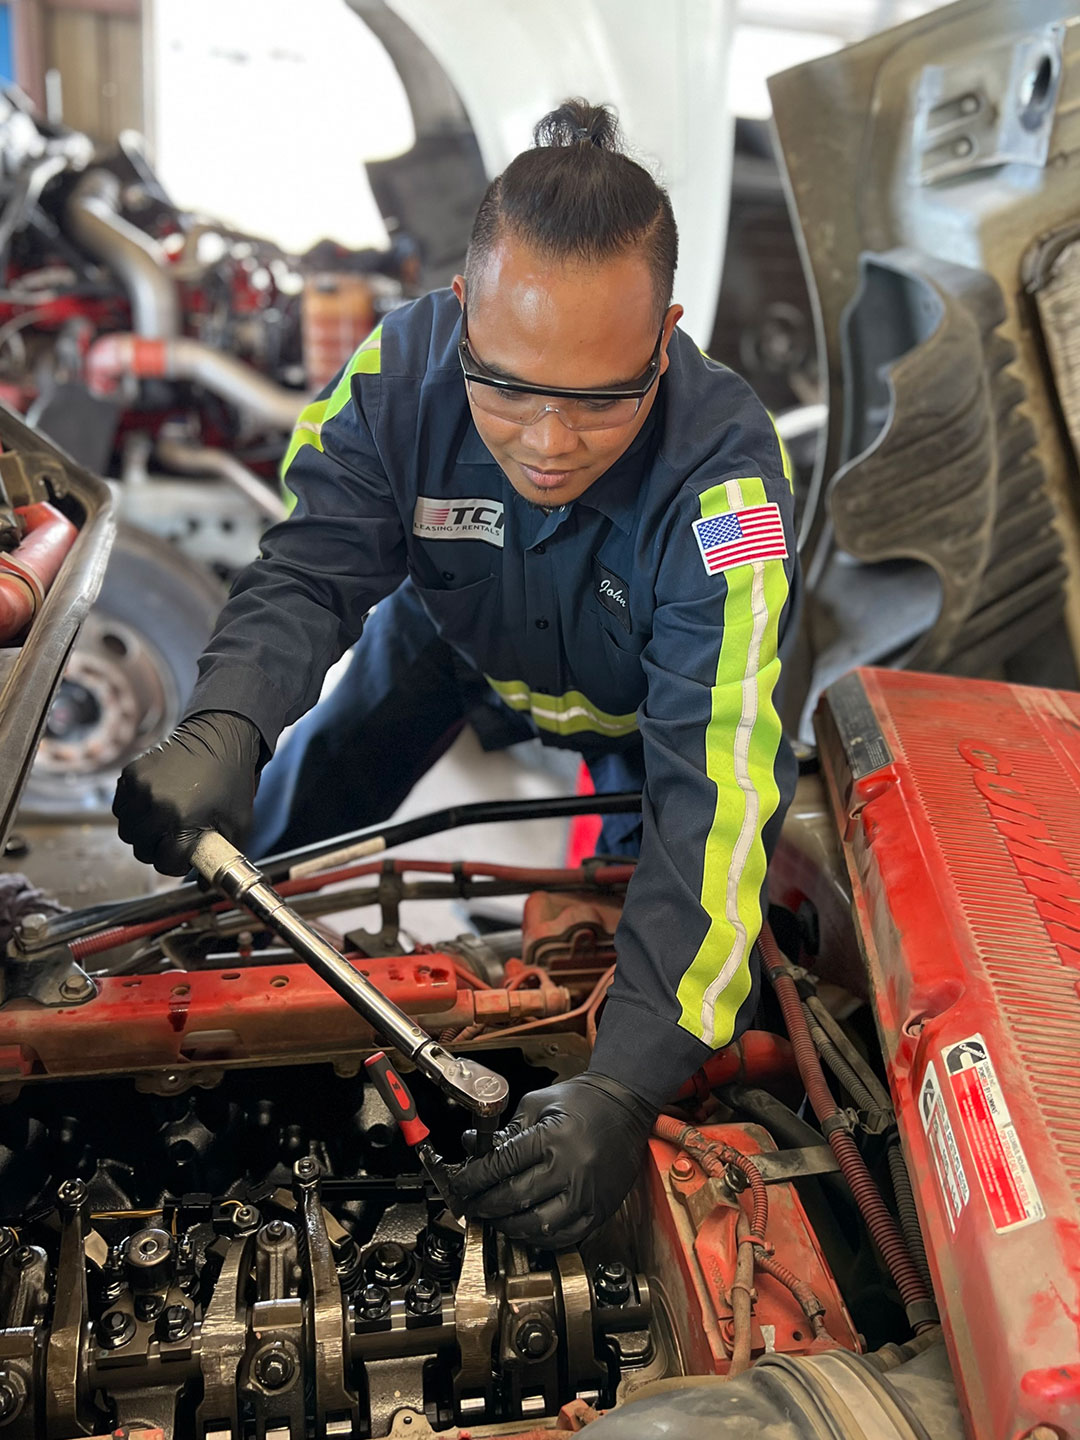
(549, 437)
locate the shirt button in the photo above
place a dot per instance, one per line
(541, 624)
(448, 575)
(539, 549)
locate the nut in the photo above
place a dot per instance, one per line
(373, 1303)
(71, 1193)
(533, 1339)
(25, 1256)
(612, 1283)
(175, 1323)
(274, 1368)
(275, 1230)
(115, 1328)
(306, 1168)
(11, 1397)
(423, 1298)
(246, 1218)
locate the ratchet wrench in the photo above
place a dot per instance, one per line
(460, 1077)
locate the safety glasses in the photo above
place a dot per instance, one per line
(510, 400)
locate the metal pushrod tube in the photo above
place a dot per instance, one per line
(460, 1077)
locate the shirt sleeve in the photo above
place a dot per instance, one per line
(719, 777)
(297, 608)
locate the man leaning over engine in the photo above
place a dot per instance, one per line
(575, 526)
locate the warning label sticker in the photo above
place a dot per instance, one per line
(999, 1158)
(939, 1131)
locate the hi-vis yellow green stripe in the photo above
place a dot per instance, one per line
(308, 431)
(567, 714)
(741, 744)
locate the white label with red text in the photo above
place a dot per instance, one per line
(1000, 1163)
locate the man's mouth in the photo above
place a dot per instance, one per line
(545, 479)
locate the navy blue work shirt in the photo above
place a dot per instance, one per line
(653, 605)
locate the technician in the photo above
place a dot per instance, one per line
(576, 526)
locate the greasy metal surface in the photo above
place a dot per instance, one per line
(67, 1392)
(29, 675)
(334, 1402)
(577, 1318)
(964, 857)
(224, 1340)
(477, 1318)
(847, 125)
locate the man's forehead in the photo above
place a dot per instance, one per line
(516, 286)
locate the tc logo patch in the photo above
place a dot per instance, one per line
(613, 594)
(457, 519)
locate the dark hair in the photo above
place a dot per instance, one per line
(577, 196)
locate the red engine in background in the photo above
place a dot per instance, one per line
(959, 806)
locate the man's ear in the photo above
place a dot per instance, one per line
(458, 288)
(671, 319)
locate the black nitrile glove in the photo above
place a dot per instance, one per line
(563, 1164)
(201, 778)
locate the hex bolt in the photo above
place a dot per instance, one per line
(533, 1339)
(682, 1168)
(33, 927)
(76, 987)
(10, 1399)
(373, 1303)
(389, 1264)
(246, 1218)
(115, 1328)
(175, 1323)
(612, 1281)
(71, 1194)
(306, 1169)
(274, 1368)
(423, 1297)
(275, 1230)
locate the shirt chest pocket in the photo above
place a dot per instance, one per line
(467, 617)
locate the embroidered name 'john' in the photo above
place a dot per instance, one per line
(613, 594)
(475, 518)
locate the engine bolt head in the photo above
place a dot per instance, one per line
(306, 1168)
(246, 1217)
(148, 1307)
(25, 1256)
(10, 1399)
(533, 1339)
(274, 1368)
(76, 987)
(682, 1168)
(373, 1303)
(176, 1322)
(275, 1230)
(71, 1193)
(389, 1264)
(612, 1283)
(115, 1328)
(423, 1297)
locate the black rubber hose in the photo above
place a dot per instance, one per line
(277, 867)
(848, 1078)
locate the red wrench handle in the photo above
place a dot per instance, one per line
(397, 1098)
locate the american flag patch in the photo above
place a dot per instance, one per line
(740, 537)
